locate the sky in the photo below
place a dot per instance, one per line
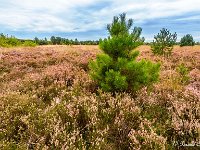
(87, 19)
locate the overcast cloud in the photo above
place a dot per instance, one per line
(87, 19)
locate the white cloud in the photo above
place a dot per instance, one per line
(151, 9)
(41, 15)
(66, 15)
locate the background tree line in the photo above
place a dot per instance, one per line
(10, 41)
(64, 41)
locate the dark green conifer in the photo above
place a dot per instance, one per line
(187, 40)
(163, 43)
(117, 68)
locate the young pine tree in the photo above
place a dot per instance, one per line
(163, 42)
(117, 69)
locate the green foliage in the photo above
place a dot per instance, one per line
(6, 41)
(29, 43)
(113, 79)
(9, 41)
(187, 40)
(13, 41)
(53, 40)
(163, 43)
(41, 41)
(183, 72)
(64, 41)
(117, 69)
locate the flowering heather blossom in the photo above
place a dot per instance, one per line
(47, 100)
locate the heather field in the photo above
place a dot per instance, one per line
(48, 101)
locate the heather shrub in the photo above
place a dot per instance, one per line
(163, 42)
(88, 121)
(47, 101)
(116, 70)
(187, 40)
(184, 120)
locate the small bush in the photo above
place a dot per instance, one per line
(116, 70)
(183, 72)
(9, 41)
(163, 43)
(29, 43)
(6, 41)
(187, 40)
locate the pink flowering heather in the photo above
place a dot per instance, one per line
(48, 101)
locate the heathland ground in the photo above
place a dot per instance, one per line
(48, 100)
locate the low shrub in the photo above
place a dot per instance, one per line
(11, 41)
(183, 73)
(29, 43)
